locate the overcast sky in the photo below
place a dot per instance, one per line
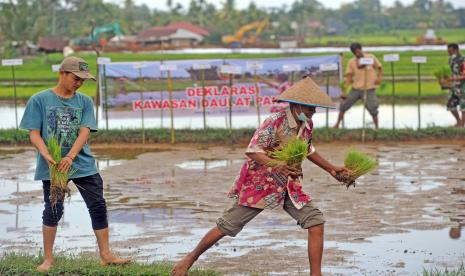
(161, 4)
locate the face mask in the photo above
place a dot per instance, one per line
(453, 56)
(302, 117)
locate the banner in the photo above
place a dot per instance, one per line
(218, 86)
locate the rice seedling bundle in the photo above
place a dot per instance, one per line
(344, 87)
(292, 153)
(359, 163)
(59, 180)
(442, 74)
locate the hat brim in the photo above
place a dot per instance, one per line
(84, 75)
(306, 104)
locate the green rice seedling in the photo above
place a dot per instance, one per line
(359, 164)
(345, 88)
(292, 153)
(59, 180)
(442, 74)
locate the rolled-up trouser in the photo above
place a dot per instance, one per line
(371, 103)
(236, 217)
(91, 189)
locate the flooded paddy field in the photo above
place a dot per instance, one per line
(407, 215)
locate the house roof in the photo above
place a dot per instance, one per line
(157, 31)
(52, 43)
(190, 27)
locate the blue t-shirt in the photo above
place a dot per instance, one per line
(51, 114)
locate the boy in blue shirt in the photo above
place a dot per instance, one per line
(69, 115)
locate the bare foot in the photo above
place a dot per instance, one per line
(111, 259)
(45, 266)
(181, 268)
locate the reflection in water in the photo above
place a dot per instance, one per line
(405, 253)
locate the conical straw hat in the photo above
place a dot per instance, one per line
(306, 92)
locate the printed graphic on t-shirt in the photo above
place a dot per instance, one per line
(64, 123)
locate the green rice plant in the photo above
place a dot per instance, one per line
(292, 153)
(442, 73)
(59, 180)
(345, 88)
(359, 164)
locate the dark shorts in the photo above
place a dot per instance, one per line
(456, 99)
(371, 103)
(236, 217)
(91, 189)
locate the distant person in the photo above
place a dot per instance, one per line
(356, 76)
(280, 82)
(69, 115)
(457, 91)
(262, 185)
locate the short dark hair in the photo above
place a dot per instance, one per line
(454, 46)
(354, 46)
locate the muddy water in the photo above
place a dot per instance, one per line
(407, 215)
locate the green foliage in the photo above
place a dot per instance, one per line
(292, 153)
(359, 163)
(442, 73)
(58, 178)
(22, 264)
(217, 136)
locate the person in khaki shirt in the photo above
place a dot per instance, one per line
(362, 79)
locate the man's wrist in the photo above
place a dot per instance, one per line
(70, 156)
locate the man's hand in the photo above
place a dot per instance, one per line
(49, 159)
(65, 164)
(287, 170)
(378, 81)
(335, 170)
(343, 95)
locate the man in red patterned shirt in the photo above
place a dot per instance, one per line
(260, 186)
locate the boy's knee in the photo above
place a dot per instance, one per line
(52, 214)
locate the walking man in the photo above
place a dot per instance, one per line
(362, 77)
(457, 91)
(262, 186)
(69, 115)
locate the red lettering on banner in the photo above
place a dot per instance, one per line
(247, 101)
(224, 102)
(213, 103)
(183, 104)
(190, 91)
(239, 102)
(192, 104)
(136, 105)
(224, 90)
(147, 105)
(166, 104)
(267, 101)
(252, 89)
(243, 90)
(234, 90)
(156, 104)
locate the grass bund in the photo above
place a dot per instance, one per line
(218, 136)
(13, 264)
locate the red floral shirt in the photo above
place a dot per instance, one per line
(259, 186)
